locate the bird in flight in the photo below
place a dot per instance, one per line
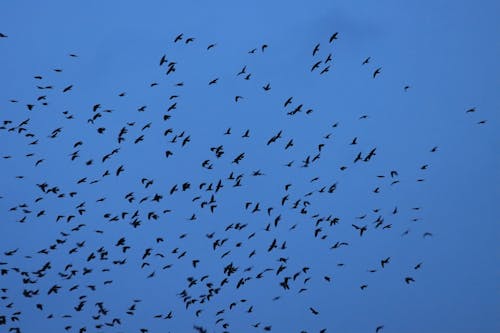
(145, 186)
(333, 37)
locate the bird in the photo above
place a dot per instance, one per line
(360, 229)
(163, 60)
(333, 37)
(316, 65)
(409, 279)
(178, 38)
(188, 185)
(313, 311)
(315, 50)
(385, 261)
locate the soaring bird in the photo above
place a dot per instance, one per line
(333, 37)
(314, 312)
(178, 38)
(409, 279)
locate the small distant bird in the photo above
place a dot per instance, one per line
(409, 279)
(377, 72)
(163, 60)
(178, 38)
(316, 49)
(333, 37)
(314, 312)
(316, 65)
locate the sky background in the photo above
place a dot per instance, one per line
(447, 52)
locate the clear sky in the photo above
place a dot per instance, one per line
(432, 212)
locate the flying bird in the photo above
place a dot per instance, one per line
(333, 37)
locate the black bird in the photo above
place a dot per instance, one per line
(333, 37)
(316, 49)
(178, 38)
(385, 261)
(316, 65)
(360, 229)
(163, 60)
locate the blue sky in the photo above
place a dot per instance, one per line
(445, 52)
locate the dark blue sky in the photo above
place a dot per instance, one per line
(435, 208)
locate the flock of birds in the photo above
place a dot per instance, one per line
(224, 256)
